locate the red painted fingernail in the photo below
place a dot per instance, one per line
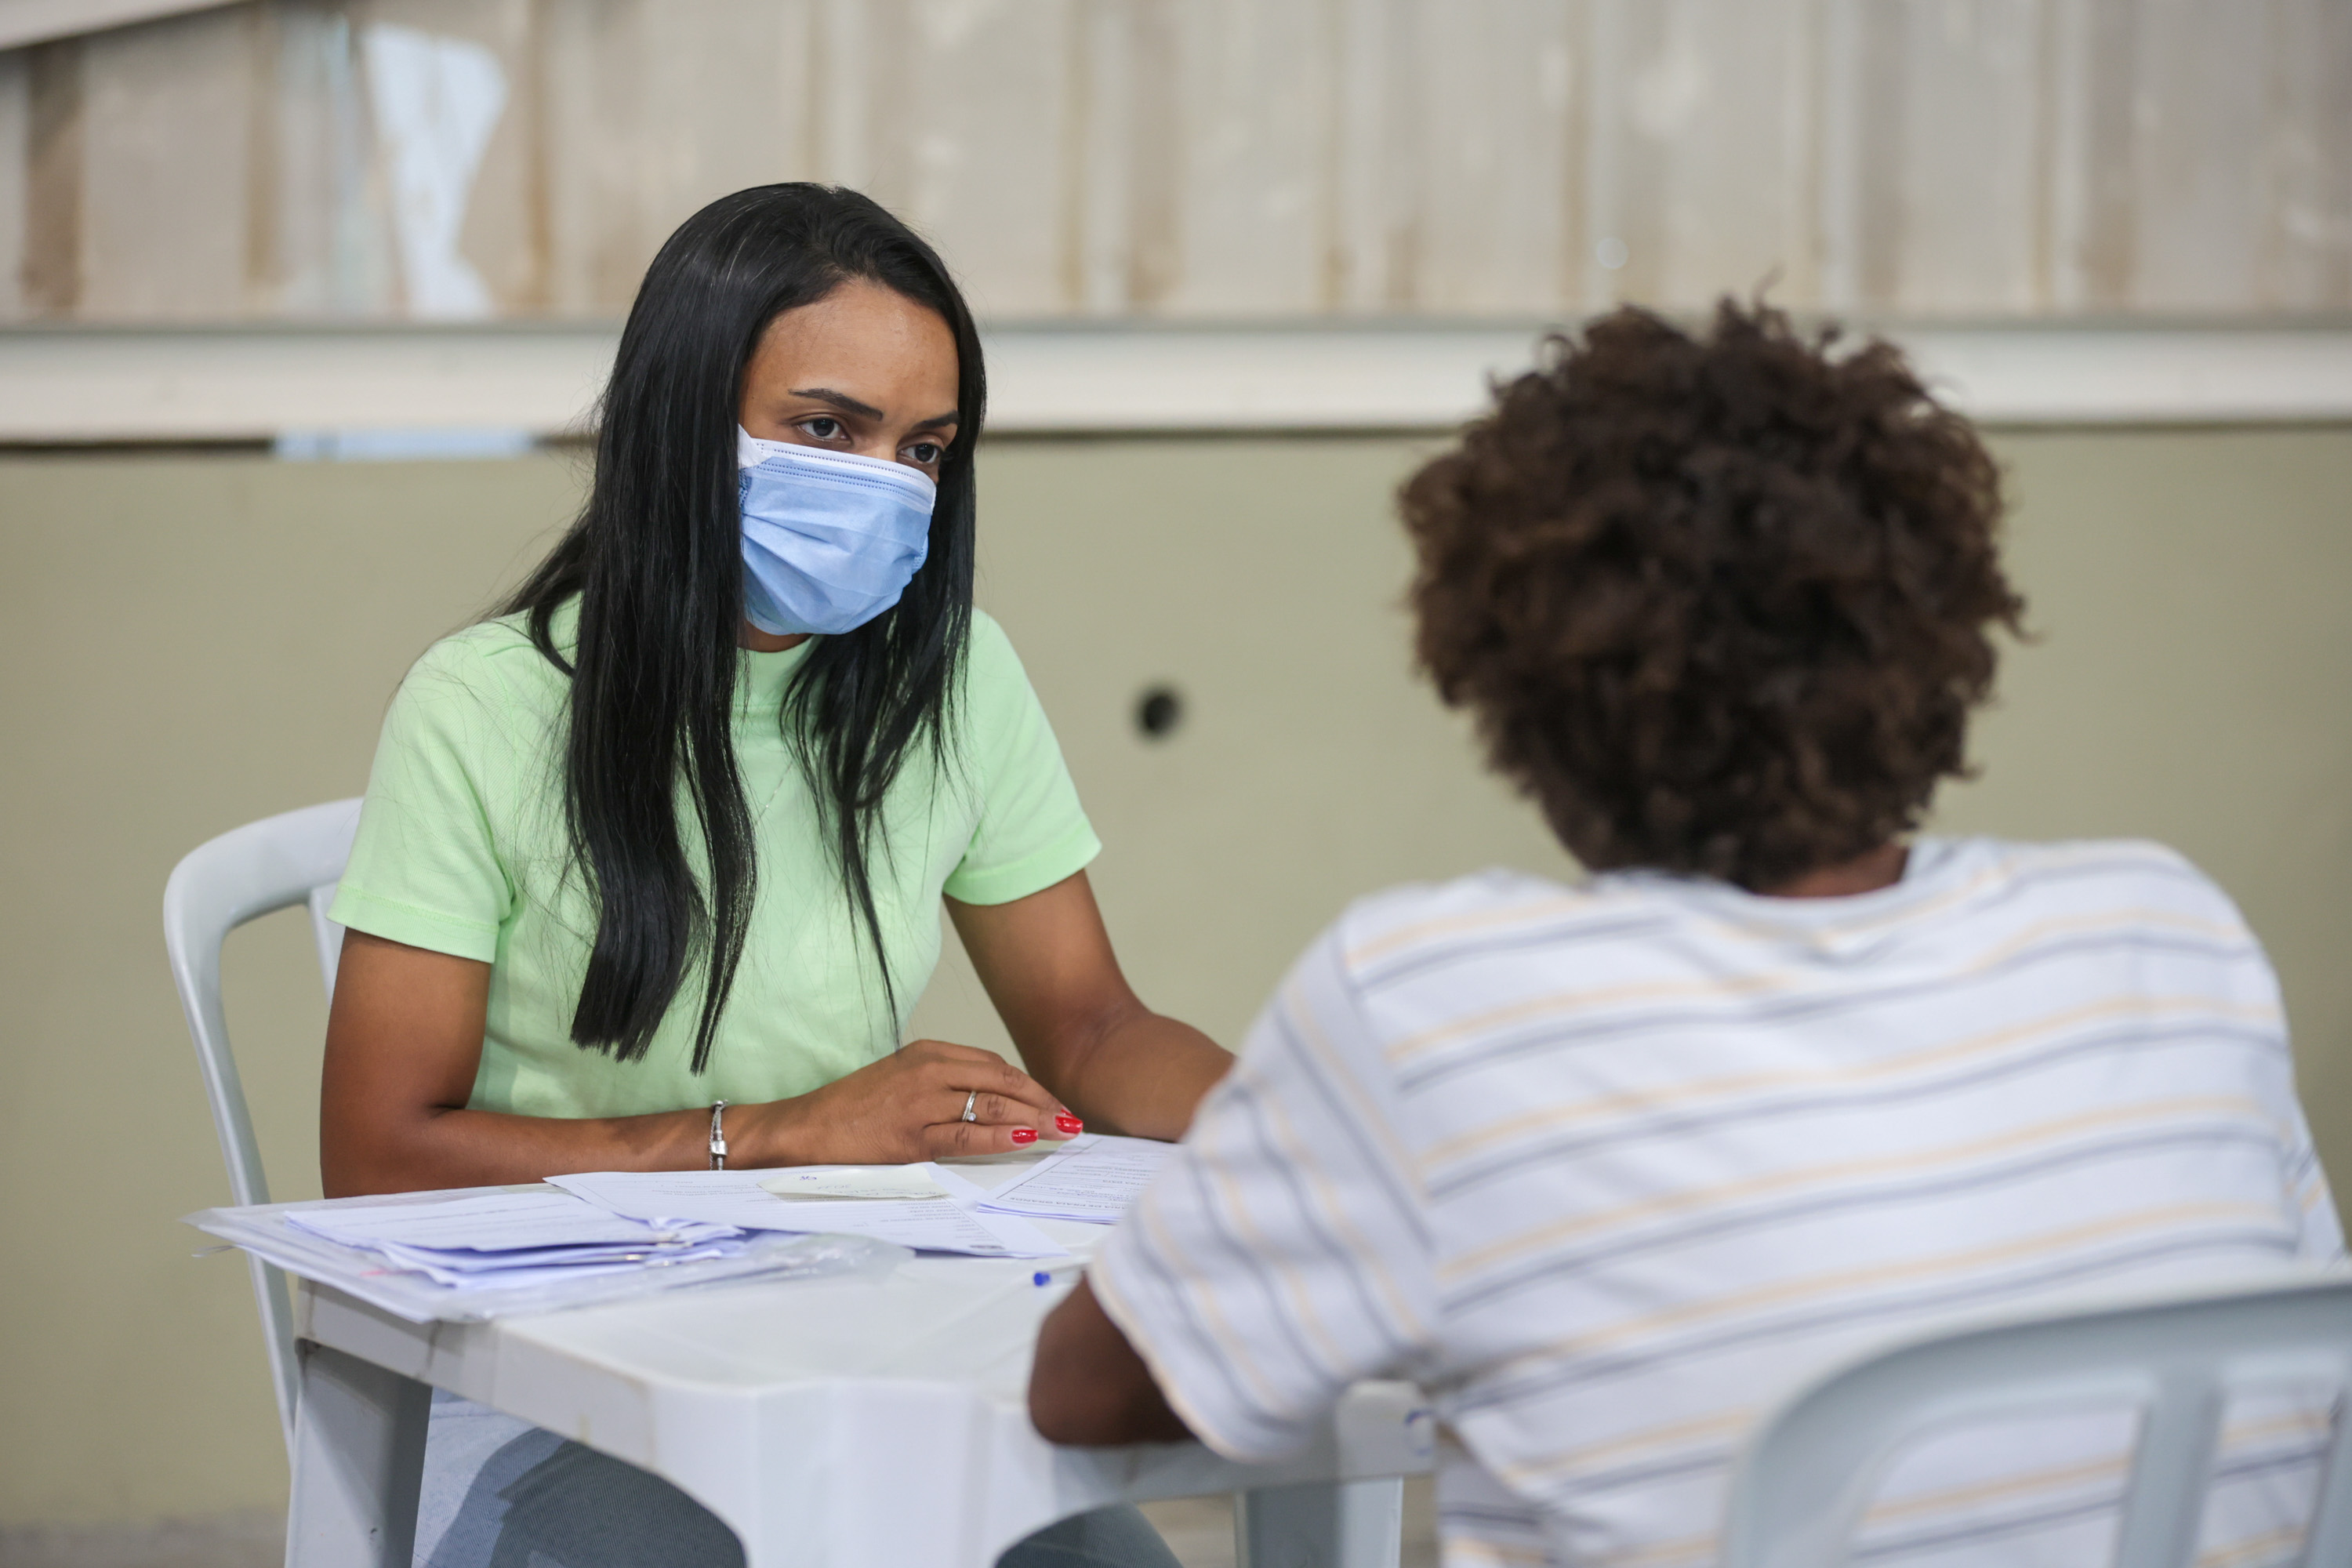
(1068, 1124)
(1024, 1135)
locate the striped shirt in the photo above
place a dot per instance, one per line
(1608, 1169)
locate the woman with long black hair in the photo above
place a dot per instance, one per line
(656, 856)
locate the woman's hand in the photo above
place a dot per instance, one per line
(906, 1107)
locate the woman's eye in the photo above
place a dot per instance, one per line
(823, 428)
(923, 454)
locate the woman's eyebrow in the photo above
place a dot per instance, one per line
(849, 405)
(840, 400)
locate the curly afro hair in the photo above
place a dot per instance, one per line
(1719, 603)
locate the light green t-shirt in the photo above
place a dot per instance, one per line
(461, 849)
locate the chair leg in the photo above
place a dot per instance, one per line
(359, 1459)
(1321, 1524)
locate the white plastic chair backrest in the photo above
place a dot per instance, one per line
(243, 874)
(1805, 1477)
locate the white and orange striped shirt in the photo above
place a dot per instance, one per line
(1608, 1169)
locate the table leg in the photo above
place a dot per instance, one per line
(1321, 1524)
(358, 1457)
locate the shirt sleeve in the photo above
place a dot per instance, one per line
(424, 868)
(2253, 984)
(2310, 1206)
(1282, 1253)
(1032, 833)
(2320, 1236)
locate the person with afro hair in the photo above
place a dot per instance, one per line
(1610, 1167)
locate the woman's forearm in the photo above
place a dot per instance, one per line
(1047, 963)
(460, 1148)
(905, 1107)
(404, 1044)
(1142, 1075)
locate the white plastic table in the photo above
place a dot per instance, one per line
(848, 1423)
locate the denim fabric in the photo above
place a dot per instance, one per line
(501, 1493)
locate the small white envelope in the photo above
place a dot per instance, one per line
(837, 1182)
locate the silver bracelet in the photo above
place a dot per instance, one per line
(717, 1137)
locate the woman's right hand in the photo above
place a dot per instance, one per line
(906, 1107)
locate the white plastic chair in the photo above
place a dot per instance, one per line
(245, 873)
(1805, 1477)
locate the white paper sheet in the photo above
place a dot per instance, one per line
(864, 1182)
(736, 1198)
(495, 1222)
(1092, 1178)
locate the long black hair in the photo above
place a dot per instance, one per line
(656, 564)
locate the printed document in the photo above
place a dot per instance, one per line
(1093, 1177)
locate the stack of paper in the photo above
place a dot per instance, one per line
(484, 1253)
(509, 1240)
(486, 1242)
(1092, 1178)
(745, 1200)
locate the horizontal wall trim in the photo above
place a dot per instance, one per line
(25, 22)
(60, 384)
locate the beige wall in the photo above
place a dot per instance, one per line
(188, 643)
(1210, 158)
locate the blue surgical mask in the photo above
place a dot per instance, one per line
(829, 539)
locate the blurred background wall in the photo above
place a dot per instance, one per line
(1187, 158)
(1243, 264)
